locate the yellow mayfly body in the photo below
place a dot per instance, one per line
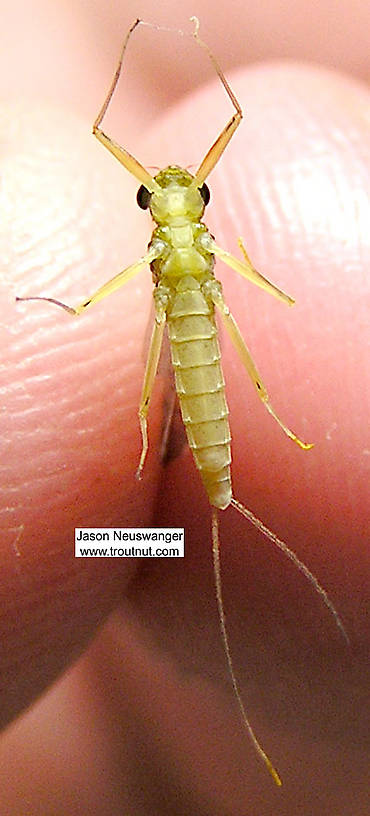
(181, 255)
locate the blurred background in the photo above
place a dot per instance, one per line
(65, 52)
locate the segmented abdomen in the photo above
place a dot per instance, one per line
(200, 387)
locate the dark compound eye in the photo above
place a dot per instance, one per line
(143, 197)
(206, 195)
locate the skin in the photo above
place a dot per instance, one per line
(148, 705)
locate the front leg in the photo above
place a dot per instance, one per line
(132, 165)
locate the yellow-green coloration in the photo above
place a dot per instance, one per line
(183, 273)
(181, 256)
(187, 291)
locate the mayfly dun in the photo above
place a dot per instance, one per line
(181, 256)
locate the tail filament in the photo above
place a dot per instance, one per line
(225, 639)
(296, 561)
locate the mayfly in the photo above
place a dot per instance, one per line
(181, 256)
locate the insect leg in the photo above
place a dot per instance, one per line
(107, 288)
(248, 363)
(150, 372)
(247, 270)
(132, 165)
(211, 158)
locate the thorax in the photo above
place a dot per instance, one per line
(183, 251)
